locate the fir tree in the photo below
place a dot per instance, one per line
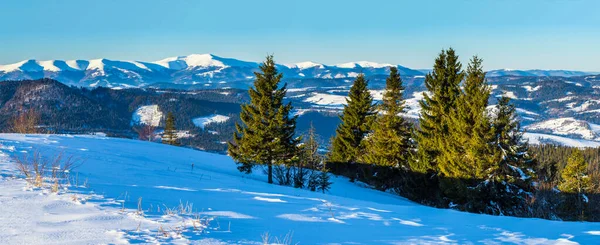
(266, 135)
(443, 91)
(357, 118)
(170, 134)
(390, 143)
(470, 153)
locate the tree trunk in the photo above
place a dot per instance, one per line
(270, 173)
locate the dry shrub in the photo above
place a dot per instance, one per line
(286, 240)
(36, 169)
(26, 122)
(145, 132)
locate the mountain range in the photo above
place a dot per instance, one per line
(208, 71)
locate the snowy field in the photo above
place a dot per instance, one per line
(201, 122)
(212, 203)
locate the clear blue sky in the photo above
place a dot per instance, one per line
(517, 34)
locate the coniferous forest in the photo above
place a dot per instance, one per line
(462, 153)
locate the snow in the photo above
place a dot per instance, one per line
(96, 64)
(215, 118)
(532, 89)
(509, 94)
(201, 60)
(583, 108)
(363, 64)
(26, 65)
(241, 207)
(148, 115)
(37, 217)
(324, 99)
(538, 138)
(565, 126)
(523, 111)
(306, 65)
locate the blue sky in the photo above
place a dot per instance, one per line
(516, 34)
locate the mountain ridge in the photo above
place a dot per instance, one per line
(211, 71)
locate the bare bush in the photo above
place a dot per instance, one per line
(37, 169)
(286, 240)
(26, 122)
(145, 132)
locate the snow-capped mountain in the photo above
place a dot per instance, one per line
(209, 71)
(198, 70)
(537, 73)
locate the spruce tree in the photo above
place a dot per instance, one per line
(390, 143)
(443, 85)
(323, 183)
(170, 133)
(267, 133)
(356, 118)
(470, 153)
(510, 180)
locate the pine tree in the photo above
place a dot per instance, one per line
(357, 119)
(443, 91)
(390, 143)
(170, 134)
(267, 133)
(470, 153)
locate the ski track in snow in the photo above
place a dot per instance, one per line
(240, 208)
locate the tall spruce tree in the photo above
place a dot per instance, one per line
(443, 85)
(470, 154)
(170, 133)
(510, 180)
(357, 118)
(267, 133)
(390, 143)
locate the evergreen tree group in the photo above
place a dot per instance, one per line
(462, 153)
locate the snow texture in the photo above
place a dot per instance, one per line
(148, 115)
(565, 126)
(241, 207)
(215, 118)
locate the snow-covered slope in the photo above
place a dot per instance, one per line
(203, 121)
(539, 138)
(148, 115)
(244, 206)
(565, 126)
(536, 73)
